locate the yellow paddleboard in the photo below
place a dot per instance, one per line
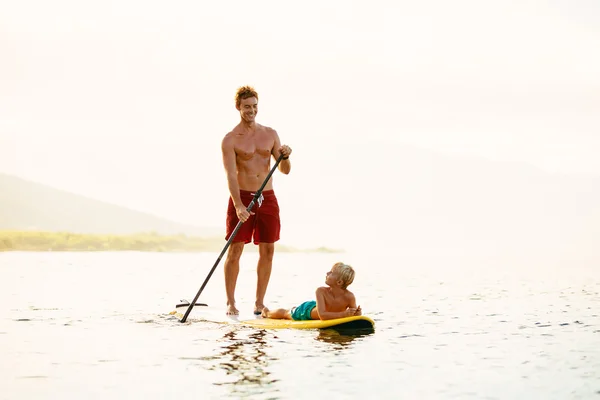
(357, 322)
(208, 314)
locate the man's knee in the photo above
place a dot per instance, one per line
(235, 250)
(266, 250)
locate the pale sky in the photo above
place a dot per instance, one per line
(127, 101)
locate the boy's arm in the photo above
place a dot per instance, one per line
(353, 304)
(325, 315)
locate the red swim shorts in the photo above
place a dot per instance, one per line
(263, 226)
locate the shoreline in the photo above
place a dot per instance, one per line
(44, 241)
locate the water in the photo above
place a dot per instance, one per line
(97, 325)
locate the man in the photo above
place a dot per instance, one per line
(247, 152)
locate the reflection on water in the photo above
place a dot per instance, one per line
(245, 361)
(341, 339)
(246, 357)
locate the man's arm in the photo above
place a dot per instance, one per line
(285, 165)
(324, 314)
(232, 182)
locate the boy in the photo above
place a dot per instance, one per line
(333, 300)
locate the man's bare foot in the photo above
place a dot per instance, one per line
(265, 312)
(231, 310)
(258, 309)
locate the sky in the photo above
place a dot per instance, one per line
(127, 101)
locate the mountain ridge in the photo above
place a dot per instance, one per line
(61, 210)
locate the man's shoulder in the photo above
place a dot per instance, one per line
(230, 135)
(267, 129)
(233, 130)
(227, 140)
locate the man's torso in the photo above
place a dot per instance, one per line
(253, 155)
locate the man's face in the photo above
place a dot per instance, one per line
(248, 109)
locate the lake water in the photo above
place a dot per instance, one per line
(97, 326)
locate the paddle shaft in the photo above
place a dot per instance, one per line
(235, 231)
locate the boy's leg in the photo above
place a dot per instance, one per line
(279, 313)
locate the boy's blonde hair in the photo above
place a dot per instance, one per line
(345, 272)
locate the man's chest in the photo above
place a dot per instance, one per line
(259, 144)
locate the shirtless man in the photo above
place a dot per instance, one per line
(247, 152)
(333, 301)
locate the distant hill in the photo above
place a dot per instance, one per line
(26, 205)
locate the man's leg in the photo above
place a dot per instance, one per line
(263, 270)
(232, 269)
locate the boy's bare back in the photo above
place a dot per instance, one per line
(335, 303)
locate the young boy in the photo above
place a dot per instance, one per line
(333, 300)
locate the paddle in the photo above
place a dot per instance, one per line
(235, 231)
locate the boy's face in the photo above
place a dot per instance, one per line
(332, 277)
